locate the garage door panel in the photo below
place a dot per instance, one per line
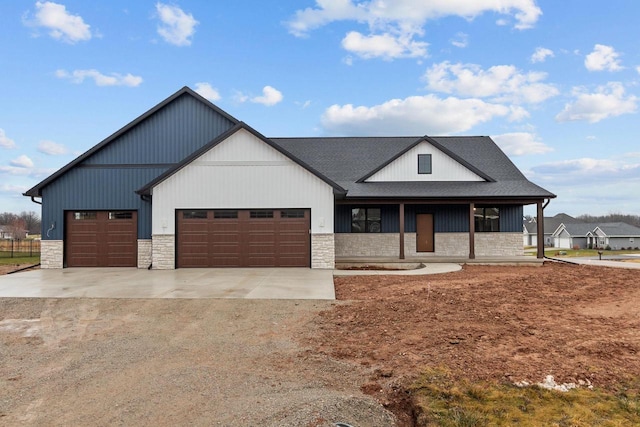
(248, 238)
(101, 239)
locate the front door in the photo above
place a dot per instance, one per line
(424, 233)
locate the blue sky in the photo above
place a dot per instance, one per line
(555, 83)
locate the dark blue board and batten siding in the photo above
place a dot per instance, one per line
(108, 179)
(446, 218)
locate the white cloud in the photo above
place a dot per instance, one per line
(461, 40)
(608, 101)
(408, 13)
(521, 143)
(51, 148)
(10, 188)
(394, 24)
(61, 24)
(115, 79)
(500, 82)
(270, 96)
(603, 58)
(541, 54)
(5, 141)
(588, 170)
(385, 46)
(22, 162)
(207, 91)
(176, 27)
(417, 115)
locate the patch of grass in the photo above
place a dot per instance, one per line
(443, 401)
(26, 260)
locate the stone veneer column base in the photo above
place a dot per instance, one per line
(323, 251)
(163, 254)
(144, 253)
(499, 244)
(51, 254)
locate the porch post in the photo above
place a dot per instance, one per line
(401, 230)
(540, 224)
(472, 231)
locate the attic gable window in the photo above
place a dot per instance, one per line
(424, 163)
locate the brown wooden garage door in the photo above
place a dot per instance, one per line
(244, 238)
(101, 239)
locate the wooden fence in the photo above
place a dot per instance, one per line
(19, 248)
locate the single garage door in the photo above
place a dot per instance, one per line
(244, 238)
(101, 239)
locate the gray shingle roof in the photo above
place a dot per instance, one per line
(619, 229)
(347, 159)
(579, 229)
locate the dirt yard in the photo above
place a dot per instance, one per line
(310, 363)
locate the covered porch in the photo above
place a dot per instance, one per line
(427, 231)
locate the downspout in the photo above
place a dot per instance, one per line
(35, 201)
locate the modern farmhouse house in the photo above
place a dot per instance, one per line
(188, 185)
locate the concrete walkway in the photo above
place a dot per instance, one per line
(425, 269)
(253, 283)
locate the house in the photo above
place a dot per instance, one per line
(551, 224)
(572, 235)
(615, 235)
(188, 185)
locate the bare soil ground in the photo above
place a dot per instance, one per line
(491, 323)
(306, 363)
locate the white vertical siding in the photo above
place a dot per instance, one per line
(242, 172)
(443, 167)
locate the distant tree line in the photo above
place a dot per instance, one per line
(19, 223)
(612, 217)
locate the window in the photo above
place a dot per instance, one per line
(365, 220)
(292, 213)
(84, 215)
(225, 214)
(120, 215)
(424, 163)
(487, 219)
(194, 215)
(261, 214)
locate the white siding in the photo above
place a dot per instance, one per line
(443, 167)
(242, 172)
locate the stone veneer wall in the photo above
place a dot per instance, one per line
(163, 254)
(445, 244)
(144, 253)
(499, 244)
(367, 244)
(51, 254)
(323, 251)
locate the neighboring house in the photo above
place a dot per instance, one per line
(188, 185)
(5, 233)
(572, 235)
(551, 224)
(616, 235)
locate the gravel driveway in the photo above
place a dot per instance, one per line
(173, 362)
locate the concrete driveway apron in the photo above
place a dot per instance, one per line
(252, 283)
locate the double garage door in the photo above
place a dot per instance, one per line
(101, 239)
(243, 238)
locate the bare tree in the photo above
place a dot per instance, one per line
(31, 221)
(17, 229)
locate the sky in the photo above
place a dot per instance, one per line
(554, 83)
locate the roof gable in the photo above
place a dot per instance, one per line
(206, 155)
(118, 146)
(446, 166)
